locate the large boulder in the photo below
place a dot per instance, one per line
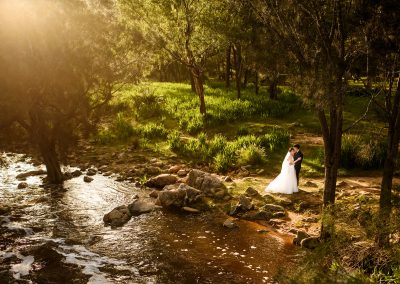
(161, 180)
(301, 235)
(250, 191)
(273, 208)
(245, 203)
(118, 216)
(138, 207)
(208, 184)
(183, 196)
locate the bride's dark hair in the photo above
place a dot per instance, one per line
(291, 149)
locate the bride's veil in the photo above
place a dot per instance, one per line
(285, 163)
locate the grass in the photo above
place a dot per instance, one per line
(164, 118)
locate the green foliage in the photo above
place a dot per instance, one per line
(121, 130)
(217, 145)
(153, 131)
(362, 152)
(251, 155)
(242, 130)
(226, 159)
(276, 139)
(174, 141)
(146, 104)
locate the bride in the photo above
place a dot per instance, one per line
(286, 181)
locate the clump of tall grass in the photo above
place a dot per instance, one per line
(362, 152)
(153, 131)
(251, 155)
(120, 130)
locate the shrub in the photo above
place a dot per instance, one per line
(362, 152)
(122, 128)
(351, 145)
(217, 144)
(147, 104)
(174, 141)
(226, 159)
(251, 155)
(244, 141)
(153, 130)
(105, 136)
(276, 139)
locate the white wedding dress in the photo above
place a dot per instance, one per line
(286, 181)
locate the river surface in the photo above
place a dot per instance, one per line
(56, 235)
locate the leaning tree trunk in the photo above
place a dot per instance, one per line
(228, 67)
(197, 75)
(237, 57)
(48, 151)
(192, 83)
(385, 200)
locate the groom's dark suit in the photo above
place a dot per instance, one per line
(297, 166)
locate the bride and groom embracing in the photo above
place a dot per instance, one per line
(287, 181)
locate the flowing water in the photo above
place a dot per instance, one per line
(58, 236)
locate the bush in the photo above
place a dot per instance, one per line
(251, 155)
(362, 152)
(277, 139)
(147, 104)
(174, 141)
(226, 159)
(245, 141)
(123, 129)
(105, 136)
(217, 145)
(153, 130)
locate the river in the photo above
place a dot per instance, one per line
(56, 235)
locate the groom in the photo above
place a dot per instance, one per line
(298, 158)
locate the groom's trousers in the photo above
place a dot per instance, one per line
(297, 174)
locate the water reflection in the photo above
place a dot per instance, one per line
(159, 247)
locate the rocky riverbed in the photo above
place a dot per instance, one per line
(59, 235)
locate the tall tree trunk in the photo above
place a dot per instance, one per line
(246, 77)
(273, 88)
(228, 66)
(237, 55)
(257, 83)
(385, 200)
(199, 87)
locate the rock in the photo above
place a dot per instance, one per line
(245, 203)
(261, 171)
(87, 179)
(310, 243)
(273, 208)
(151, 170)
(154, 194)
(229, 223)
(311, 184)
(174, 169)
(118, 216)
(91, 172)
(234, 209)
(22, 185)
(342, 184)
(310, 219)
(262, 231)
(250, 191)
(161, 180)
(301, 235)
(138, 184)
(183, 196)
(4, 209)
(228, 179)
(76, 173)
(190, 209)
(276, 222)
(279, 214)
(182, 173)
(257, 215)
(139, 207)
(30, 173)
(208, 184)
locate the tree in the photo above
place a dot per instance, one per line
(55, 68)
(384, 45)
(181, 28)
(317, 34)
